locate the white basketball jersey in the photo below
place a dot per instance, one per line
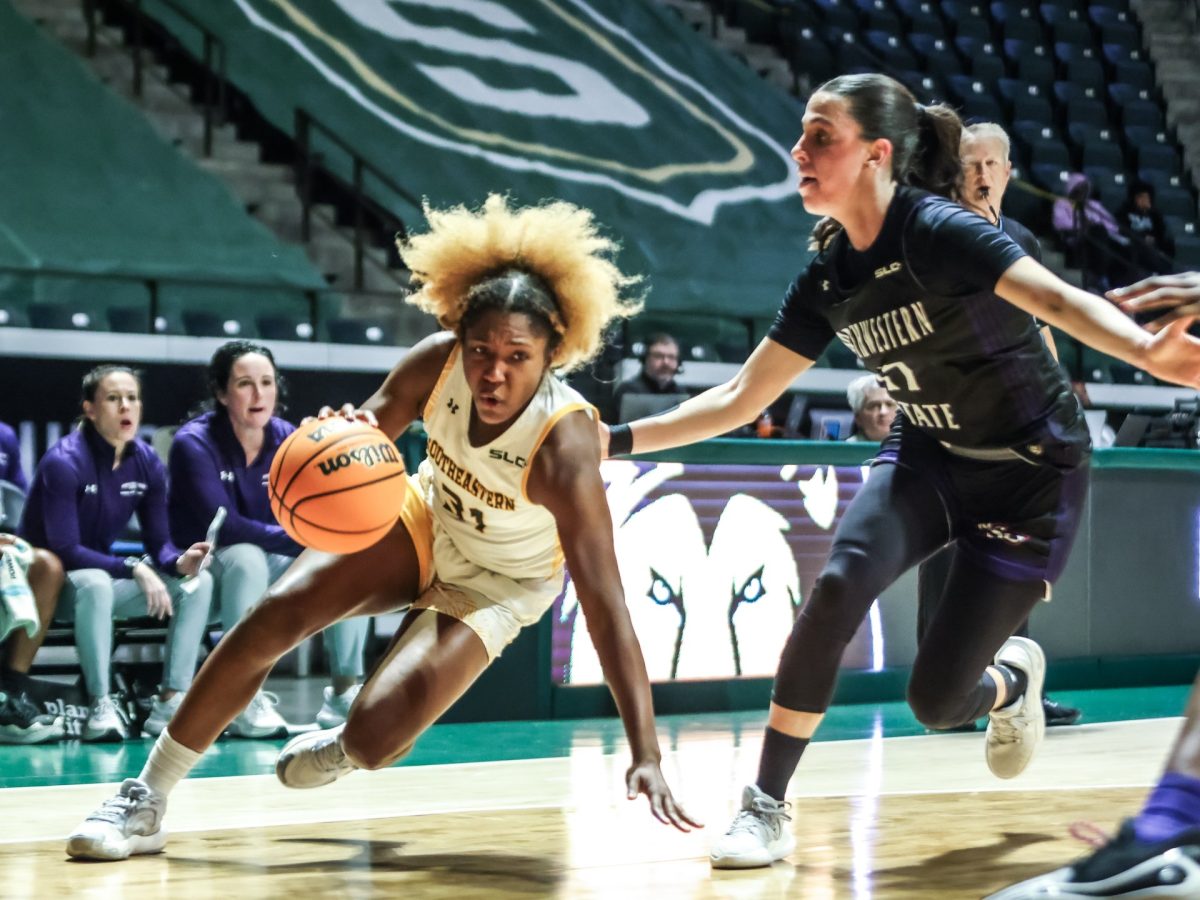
(477, 494)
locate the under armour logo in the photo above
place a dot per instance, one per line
(824, 285)
(91, 488)
(228, 476)
(452, 406)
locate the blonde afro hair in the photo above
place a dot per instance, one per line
(557, 242)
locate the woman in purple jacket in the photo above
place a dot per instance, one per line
(84, 491)
(222, 458)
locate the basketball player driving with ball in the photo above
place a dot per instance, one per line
(510, 490)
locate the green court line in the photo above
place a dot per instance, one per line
(76, 763)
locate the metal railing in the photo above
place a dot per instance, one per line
(212, 59)
(309, 160)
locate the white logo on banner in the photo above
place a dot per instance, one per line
(590, 98)
(732, 601)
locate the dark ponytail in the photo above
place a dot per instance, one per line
(936, 165)
(924, 139)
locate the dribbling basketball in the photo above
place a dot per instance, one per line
(337, 485)
(477, 552)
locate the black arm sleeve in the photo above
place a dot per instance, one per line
(799, 325)
(952, 251)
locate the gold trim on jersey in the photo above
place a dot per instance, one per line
(546, 429)
(435, 394)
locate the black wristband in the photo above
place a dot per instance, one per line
(620, 440)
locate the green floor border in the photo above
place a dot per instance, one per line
(886, 686)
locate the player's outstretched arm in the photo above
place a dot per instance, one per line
(401, 398)
(1172, 354)
(565, 478)
(760, 380)
(1178, 295)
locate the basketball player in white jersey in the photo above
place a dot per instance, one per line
(510, 490)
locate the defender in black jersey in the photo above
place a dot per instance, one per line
(989, 447)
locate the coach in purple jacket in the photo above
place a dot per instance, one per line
(222, 458)
(84, 491)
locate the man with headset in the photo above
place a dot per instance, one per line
(660, 365)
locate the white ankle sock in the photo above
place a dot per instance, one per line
(168, 763)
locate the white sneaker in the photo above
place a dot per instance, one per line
(1014, 731)
(260, 719)
(126, 824)
(105, 722)
(757, 837)
(161, 712)
(313, 759)
(337, 706)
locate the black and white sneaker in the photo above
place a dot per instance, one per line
(21, 722)
(1124, 867)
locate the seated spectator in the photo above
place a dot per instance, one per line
(222, 458)
(873, 407)
(21, 720)
(1091, 236)
(1152, 245)
(660, 365)
(84, 491)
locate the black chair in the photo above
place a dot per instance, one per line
(977, 28)
(1024, 29)
(1143, 113)
(1052, 178)
(203, 323)
(1176, 201)
(359, 331)
(1073, 31)
(132, 319)
(59, 316)
(1036, 69)
(1163, 157)
(1033, 108)
(1067, 92)
(1082, 134)
(1116, 53)
(1049, 152)
(1086, 71)
(283, 328)
(1134, 72)
(1087, 110)
(1102, 153)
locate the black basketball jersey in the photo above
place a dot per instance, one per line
(918, 308)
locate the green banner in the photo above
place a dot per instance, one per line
(680, 150)
(90, 188)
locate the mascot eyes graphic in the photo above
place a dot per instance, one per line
(699, 611)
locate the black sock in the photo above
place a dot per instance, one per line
(1016, 682)
(780, 755)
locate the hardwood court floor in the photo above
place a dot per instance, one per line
(907, 817)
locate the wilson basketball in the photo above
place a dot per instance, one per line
(337, 485)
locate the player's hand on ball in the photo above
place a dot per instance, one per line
(348, 411)
(647, 778)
